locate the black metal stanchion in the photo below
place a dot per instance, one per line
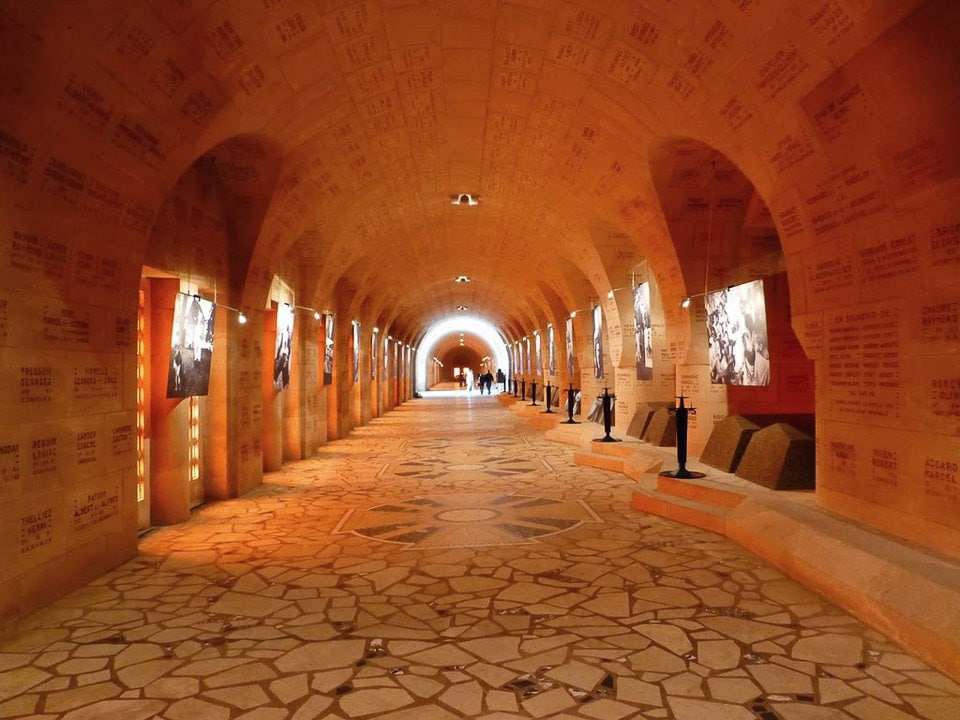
(533, 392)
(548, 410)
(571, 400)
(523, 388)
(682, 413)
(607, 399)
(513, 381)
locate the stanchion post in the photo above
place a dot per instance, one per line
(533, 392)
(571, 401)
(548, 410)
(607, 400)
(523, 388)
(682, 413)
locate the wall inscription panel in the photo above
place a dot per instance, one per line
(94, 507)
(10, 463)
(861, 375)
(36, 530)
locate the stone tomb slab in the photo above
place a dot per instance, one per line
(779, 457)
(662, 429)
(642, 416)
(727, 443)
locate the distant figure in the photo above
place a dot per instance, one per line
(486, 381)
(501, 381)
(469, 377)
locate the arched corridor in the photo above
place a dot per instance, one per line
(242, 240)
(447, 561)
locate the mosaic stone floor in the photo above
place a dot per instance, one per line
(446, 562)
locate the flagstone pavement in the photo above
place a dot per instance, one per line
(446, 562)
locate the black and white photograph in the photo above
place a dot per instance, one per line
(571, 365)
(329, 325)
(191, 346)
(355, 351)
(551, 350)
(282, 350)
(598, 342)
(644, 334)
(737, 336)
(538, 347)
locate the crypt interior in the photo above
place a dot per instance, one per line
(249, 250)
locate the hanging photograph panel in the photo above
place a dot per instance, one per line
(738, 351)
(282, 347)
(191, 346)
(644, 334)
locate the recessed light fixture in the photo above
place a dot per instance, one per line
(462, 307)
(464, 200)
(461, 278)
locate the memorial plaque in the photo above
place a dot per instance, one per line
(628, 67)
(941, 489)
(945, 402)
(792, 149)
(727, 442)
(831, 21)
(779, 457)
(843, 458)
(94, 507)
(86, 447)
(10, 463)
(16, 158)
(918, 165)
(123, 438)
(36, 384)
(777, 73)
(572, 53)
(790, 222)
(839, 108)
(888, 260)
(43, 455)
(38, 259)
(944, 244)
(735, 113)
(96, 382)
(36, 530)
(940, 322)
(64, 325)
(863, 364)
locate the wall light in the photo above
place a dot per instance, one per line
(461, 278)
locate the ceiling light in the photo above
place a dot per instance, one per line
(464, 200)
(461, 278)
(685, 303)
(462, 307)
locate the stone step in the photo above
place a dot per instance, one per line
(544, 421)
(703, 493)
(620, 449)
(689, 512)
(596, 460)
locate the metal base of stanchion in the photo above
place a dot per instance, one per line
(682, 474)
(570, 422)
(548, 411)
(607, 438)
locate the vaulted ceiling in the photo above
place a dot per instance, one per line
(335, 135)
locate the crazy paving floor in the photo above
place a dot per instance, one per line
(447, 562)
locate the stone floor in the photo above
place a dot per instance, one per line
(444, 562)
